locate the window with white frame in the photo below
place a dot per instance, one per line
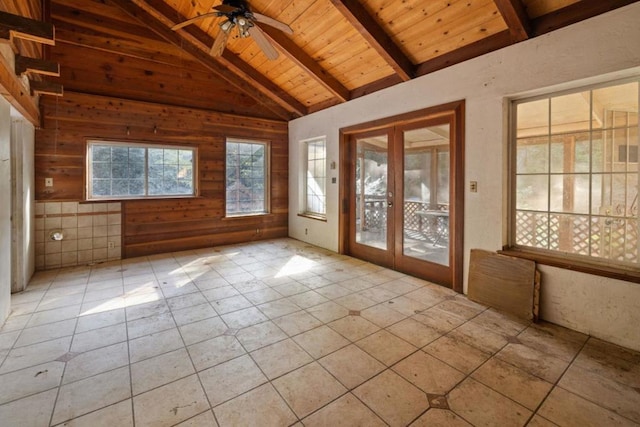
(123, 170)
(246, 177)
(315, 181)
(575, 174)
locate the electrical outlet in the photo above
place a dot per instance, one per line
(306, 231)
(473, 186)
(111, 245)
(48, 182)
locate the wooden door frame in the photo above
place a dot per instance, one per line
(455, 112)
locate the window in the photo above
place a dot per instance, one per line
(247, 178)
(118, 170)
(315, 178)
(575, 174)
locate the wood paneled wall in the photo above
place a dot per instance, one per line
(161, 225)
(29, 9)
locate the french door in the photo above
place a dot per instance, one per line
(403, 194)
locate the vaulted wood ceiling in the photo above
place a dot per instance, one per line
(340, 49)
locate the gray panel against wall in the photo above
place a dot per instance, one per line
(5, 210)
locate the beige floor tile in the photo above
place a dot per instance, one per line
(608, 393)
(333, 291)
(55, 315)
(439, 320)
(230, 379)
(554, 340)
(353, 328)
(214, 351)
(307, 299)
(202, 330)
(440, 418)
(262, 406)
(260, 335)
(482, 406)
(193, 314)
(479, 337)
(15, 323)
(500, 323)
(279, 358)
(185, 301)
(460, 308)
(406, 306)
(328, 312)
(154, 344)
(149, 325)
(119, 414)
(31, 411)
(219, 293)
(291, 287)
(355, 302)
(533, 361)
(308, 388)
(170, 404)
(206, 419)
(457, 354)
(351, 366)
(296, 323)
(96, 361)
(97, 338)
(394, 399)
(263, 295)
(92, 393)
(428, 373)
(414, 332)
(231, 304)
(382, 315)
(321, 341)
(428, 296)
(8, 339)
(566, 409)
(538, 421)
(347, 411)
(513, 382)
(100, 320)
(22, 383)
(610, 361)
(275, 309)
(386, 347)
(56, 302)
(46, 332)
(36, 354)
(160, 370)
(243, 318)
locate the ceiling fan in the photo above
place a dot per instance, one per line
(238, 14)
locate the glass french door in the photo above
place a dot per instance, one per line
(402, 202)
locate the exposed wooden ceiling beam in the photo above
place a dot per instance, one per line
(36, 65)
(307, 63)
(475, 49)
(233, 63)
(375, 35)
(18, 96)
(516, 18)
(200, 51)
(16, 26)
(573, 13)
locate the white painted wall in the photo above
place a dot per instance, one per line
(5, 210)
(602, 48)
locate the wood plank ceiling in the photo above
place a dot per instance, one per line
(339, 50)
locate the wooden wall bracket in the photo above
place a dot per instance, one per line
(41, 87)
(25, 64)
(16, 26)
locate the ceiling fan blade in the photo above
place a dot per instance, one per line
(269, 51)
(272, 23)
(225, 8)
(192, 20)
(221, 41)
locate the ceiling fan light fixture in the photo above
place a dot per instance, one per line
(226, 25)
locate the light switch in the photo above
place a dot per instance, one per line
(48, 182)
(473, 186)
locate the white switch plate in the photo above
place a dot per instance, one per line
(48, 182)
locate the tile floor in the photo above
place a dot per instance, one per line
(282, 333)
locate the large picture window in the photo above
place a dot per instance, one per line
(315, 184)
(118, 170)
(246, 178)
(575, 174)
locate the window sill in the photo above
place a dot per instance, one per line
(314, 217)
(245, 216)
(601, 268)
(129, 199)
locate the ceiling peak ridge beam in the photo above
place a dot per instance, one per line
(375, 35)
(516, 18)
(307, 63)
(573, 13)
(200, 52)
(231, 61)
